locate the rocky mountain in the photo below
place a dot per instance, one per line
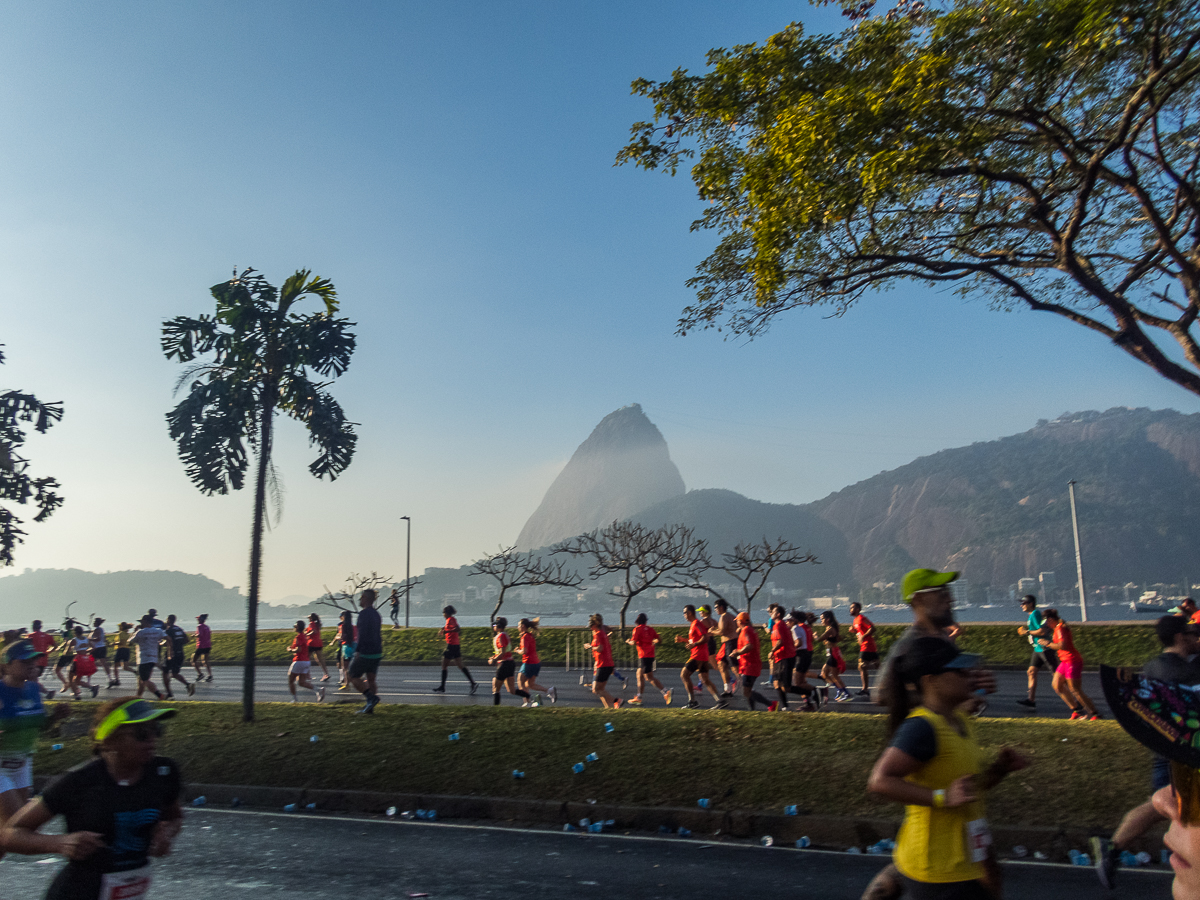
(999, 510)
(622, 467)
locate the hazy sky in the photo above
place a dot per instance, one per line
(449, 166)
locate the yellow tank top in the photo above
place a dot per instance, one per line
(944, 845)
(122, 639)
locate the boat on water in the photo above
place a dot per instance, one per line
(543, 614)
(1150, 602)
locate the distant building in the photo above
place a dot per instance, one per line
(1027, 586)
(1049, 585)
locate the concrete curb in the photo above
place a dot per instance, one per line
(830, 832)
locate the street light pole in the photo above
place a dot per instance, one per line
(407, 561)
(1078, 555)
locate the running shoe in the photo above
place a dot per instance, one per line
(440, 690)
(636, 699)
(772, 706)
(320, 694)
(326, 678)
(168, 696)
(725, 695)
(474, 686)
(95, 690)
(809, 706)
(864, 693)
(843, 697)
(113, 684)
(344, 686)
(1095, 718)
(667, 694)
(49, 694)
(1077, 714)
(980, 708)
(553, 694)
(617, 703)
(1028, 704)
(209, 678)
(1106, 857)
(191, 688)
(692, 704)
(721, 704)
(526, 705)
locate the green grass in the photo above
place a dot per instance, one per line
(1116, 645)
(655, 757)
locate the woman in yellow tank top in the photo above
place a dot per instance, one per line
(934, 766)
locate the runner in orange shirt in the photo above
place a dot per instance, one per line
(868, 651)
(453, 651)
(531, 663)
(315, 642)
(748, 659)
(697, 640)
(645, 639)
(506, 666)
(602, 654)
(1068, 677)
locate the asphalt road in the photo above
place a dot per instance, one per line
(414, 684)
(277, 855)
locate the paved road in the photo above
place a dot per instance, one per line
(414, 684)
(275, 855)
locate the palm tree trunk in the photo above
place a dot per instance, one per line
(256, 536)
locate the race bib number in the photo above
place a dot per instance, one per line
(979, 838)
(12, 762)
(133, 885)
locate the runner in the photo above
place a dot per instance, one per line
(783, 659)
(868, 652)
(726, 631)
(99, 644)
(66, 656)
(644, 639)
(506, 666)
(602, 656)
(121, 808)
(802, 637)
(453, 651)
(1068, 677)
(934, 765)
(203, 648)
(146, 639)
(697, 643)
(83, 667)
(316, 642)
(121, 654)
(298, 671)
(22, 718)
(368, 650)
(394, 608)
(346, 641)
(175, 639)
(748, 659)
(1035, 627)
(531, 663)
(835, 664)
(44, 644)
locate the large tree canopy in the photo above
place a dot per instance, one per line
(1042, 151)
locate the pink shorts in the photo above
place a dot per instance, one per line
(1070, 667)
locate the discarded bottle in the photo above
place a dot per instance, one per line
(1020, 851)
(683, 832)
(1164, 856)
(200, 801)
(853, 850)
(391, 811)
(235, 802)
(56, 746)
(310, 806)
(1038, 854)
(767, 841)
(313, 739)
(420, 813)
(609, 823)
(577, 768)
(584, 823)
(1143, 858)
(888, 844)
(608, 726)
(518, 774)
(454, 737)
(874, 849)
(1129, 860)
(408, 814)
(592, 757)
(568, 827)
(804, 843)
(291, 807)
(1079, 858)
(791, 811)
(704, 802)
(596, 827)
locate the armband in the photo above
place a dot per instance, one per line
(939, 799)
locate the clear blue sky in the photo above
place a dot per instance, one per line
(449, 166)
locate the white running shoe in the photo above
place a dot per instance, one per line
(320, 694)
(553, 694)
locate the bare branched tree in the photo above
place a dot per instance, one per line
(750, 565)
(670, 556)
(346, 600)
(512, 569)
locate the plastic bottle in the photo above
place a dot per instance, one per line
(1129, 860)
(704, 802)
(577, 768)
(683, 832)
(791, 811)
(56, 746)
(596, 827)
(854, 850)
(291, 807)
(568, 827)
(1143, 858)
(608, 726)
(454, 737)
(200, 801)
(804, 843)
(518, 774)
(1020, 851)
(313, 739)
(391, 811)
(767, 841)
(592, 757)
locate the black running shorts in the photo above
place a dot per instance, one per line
(696, 665)
(452, 651)
(505, 670)
(602, 674)
(1046, 658)
(781, 671)
(360, 666)
(646, 664)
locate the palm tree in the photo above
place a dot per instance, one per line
(263, 357)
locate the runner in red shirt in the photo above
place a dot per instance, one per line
(301, 663)
(645, 639)
(602, 654)
(531, 663)
(726, 631)
(43, 643)
(835, 664)
(697, 642)
(453, 651)
(506, 666)
(748, 659)
(1068, 677)
(783, 655)
(316, 642)
(868, 652)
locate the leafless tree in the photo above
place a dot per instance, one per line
(346, 600)
(670, 556)
(512, 569)
(750, 565)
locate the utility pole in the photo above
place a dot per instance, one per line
(407, 561)
(1078, 555)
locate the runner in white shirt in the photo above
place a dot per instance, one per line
(147, 639)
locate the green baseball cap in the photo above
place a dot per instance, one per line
(923, 580)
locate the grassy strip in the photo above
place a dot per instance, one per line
(655, 757)
(1116, 645)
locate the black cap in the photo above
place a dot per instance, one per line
(932, 656)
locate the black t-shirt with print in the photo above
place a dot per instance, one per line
(125, 816)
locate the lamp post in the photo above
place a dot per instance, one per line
(407, 560)
(1078, 555)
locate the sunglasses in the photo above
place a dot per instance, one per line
(147, 731)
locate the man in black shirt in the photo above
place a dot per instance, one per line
(1180, 639)
(368, 651)
(172, 663)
